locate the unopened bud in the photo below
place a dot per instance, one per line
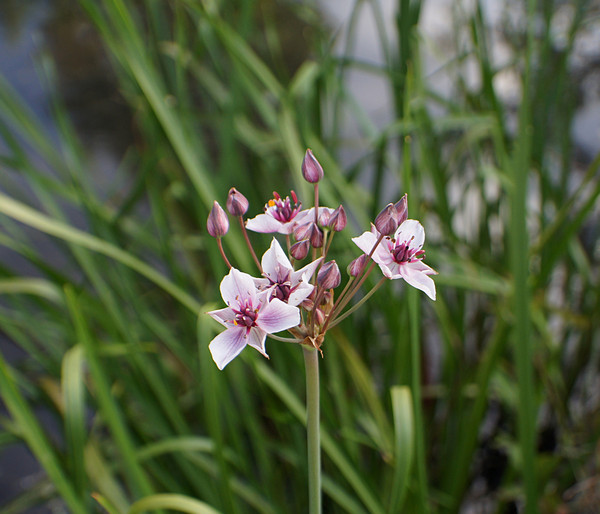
(338, 219)
(402, 209)
(324, 216)
(319, 316)
(311, 169)
(217, 222)
(329, 276)
(386, 221)
(311, 232)
(300, 249)
(237, 203)
(356, 267)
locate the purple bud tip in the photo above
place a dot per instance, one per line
(300, 249)
(217, 223)
(311, 169)
(338, 219)
(356, 267)
(237, 203)
(402, 209)
(386, 221)
(329, 276)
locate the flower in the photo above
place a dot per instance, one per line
(280, 216)
(281, 280)
(217, 223)
(248, 317)
(401, 256)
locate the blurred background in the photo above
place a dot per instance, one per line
(121, 121)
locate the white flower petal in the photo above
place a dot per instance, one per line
(301, 293)
(227, 346)
(367, 241)
(264, 223)
(277, 316)
(274, 260)
(413, 231)
(256, 339)
(224, 316)
(237, 287)
(305, 273)
(418, 279)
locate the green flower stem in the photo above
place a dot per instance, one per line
(358, 304)
(311, 363)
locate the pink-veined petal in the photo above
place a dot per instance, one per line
(256, 339)
(277, 316)
(227, 345)
(413, 231)
(418, 279)
(367, 241)
(422, 267)
(305, 273)
(273, 260)
(264, 223)
(224, 316)
(236, 287)
(301, 293)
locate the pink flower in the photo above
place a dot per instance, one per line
(401, 256)
(281, 280)
(280, 215)
(249, 317)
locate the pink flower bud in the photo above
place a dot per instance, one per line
(319, 316)
(217, 222)
(338, 219)
(386, 221)
(237, 203)
(356, 267)
(311, 169)
(402, 209)
(329, 276)
(324, 217)
(311, 232)
(300, 249)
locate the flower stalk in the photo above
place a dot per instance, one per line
(313, 434)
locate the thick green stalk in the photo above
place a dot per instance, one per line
(311, 363)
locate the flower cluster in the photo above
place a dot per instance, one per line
(301, 299)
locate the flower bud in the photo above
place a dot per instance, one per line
(319, 316)
(329, 276)
(386, 221)
(311, 169)
(356, 267)
(217, 222)
(324, 217)
(402, 209)
(311, 232)
(237, 203)
(338, 219)
(300, 249)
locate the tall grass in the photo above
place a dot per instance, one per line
(106, 293)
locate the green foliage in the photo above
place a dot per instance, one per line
(414, 394)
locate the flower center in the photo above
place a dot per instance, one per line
(282, 209)
(246, 316)
(402, 252)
